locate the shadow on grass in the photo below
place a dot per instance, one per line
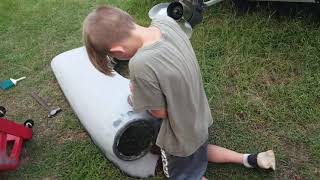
(310, 12)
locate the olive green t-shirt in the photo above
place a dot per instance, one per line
(166, 75)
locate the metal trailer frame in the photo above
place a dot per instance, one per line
(212, 2)
(191, 11)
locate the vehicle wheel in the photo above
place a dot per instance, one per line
(175, 10)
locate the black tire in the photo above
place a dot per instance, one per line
(3, 111)
(241, 6)
(28, 123)
(175, 10)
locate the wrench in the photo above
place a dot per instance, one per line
(53, 111)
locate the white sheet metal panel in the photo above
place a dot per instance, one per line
(99, 101)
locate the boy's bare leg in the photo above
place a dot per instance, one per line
(217, 154)
(265, 160)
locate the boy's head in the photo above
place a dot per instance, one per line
(107, 33)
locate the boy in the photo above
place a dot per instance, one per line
(166, 81)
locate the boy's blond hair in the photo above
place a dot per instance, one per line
(101, 29)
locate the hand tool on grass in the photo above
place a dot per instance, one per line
(53, 111)
(9, 83)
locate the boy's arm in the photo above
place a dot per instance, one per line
(159, 113)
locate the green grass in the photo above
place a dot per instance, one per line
(261, 72)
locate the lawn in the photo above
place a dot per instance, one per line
(260, 67)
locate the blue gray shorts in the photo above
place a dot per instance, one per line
(191, 167)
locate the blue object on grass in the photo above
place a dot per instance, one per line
(9, 83)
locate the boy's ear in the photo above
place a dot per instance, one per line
(117, 49)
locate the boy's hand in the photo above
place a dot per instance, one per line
(131, 87)
(129, 99)
(159, 113)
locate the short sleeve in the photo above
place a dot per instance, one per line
(147, 95)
